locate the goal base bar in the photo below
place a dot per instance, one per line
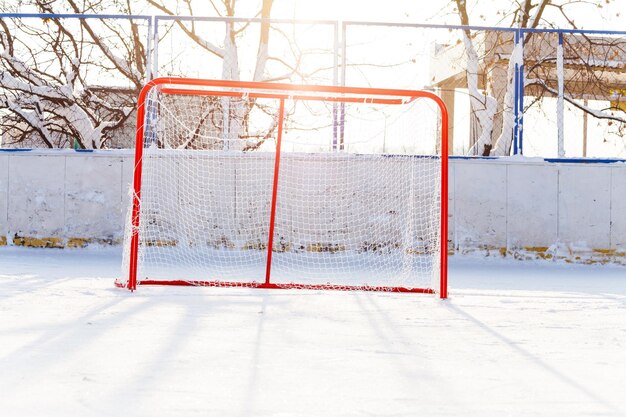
(286, 286)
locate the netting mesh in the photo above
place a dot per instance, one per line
(358, 192)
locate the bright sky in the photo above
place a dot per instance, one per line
(587, 16)
(373, 45)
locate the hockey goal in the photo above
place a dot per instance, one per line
(266, 185)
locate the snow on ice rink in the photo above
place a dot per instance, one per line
(514, 339)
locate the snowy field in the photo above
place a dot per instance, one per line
(514, 339)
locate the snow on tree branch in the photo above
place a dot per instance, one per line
(598, 114)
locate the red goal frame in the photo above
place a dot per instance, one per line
(282, 92)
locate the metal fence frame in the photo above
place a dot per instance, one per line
(340, 46)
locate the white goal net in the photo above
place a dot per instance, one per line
(265, 185)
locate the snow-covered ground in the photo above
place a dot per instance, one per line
(514, 339)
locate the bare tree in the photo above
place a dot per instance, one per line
(75, 81)
(232, 113)
(68, 82)
(233, 116)
(589, 70)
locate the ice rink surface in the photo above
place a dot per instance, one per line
(515, 338)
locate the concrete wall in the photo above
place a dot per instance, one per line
(63, 198)
(553, 209)
(516, 206)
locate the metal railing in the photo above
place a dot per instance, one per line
(537, 92)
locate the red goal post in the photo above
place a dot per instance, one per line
(220, 92)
